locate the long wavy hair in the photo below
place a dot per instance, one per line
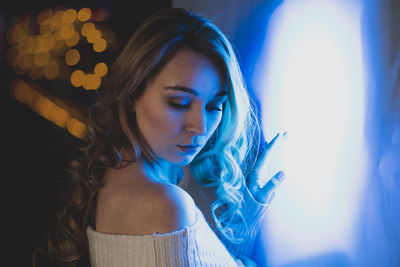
(224, 161)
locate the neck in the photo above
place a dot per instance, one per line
(162, 171)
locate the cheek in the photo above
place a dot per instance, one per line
(213, 123)
(157, 124)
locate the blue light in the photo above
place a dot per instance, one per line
(312, 86)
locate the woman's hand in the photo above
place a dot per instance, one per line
(266, 193)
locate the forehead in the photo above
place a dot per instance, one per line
(194, 70)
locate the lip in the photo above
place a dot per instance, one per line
(189, 149)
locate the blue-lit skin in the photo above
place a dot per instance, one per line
(181, 108)
(255, 180)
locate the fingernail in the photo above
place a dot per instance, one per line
(281, 176)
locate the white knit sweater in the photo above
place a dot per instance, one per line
(196, 245)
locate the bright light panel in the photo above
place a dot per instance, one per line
(312, 87)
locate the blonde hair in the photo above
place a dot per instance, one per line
(113, 127)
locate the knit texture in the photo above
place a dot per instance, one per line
(196, 245)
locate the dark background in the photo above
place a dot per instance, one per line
(36, 150)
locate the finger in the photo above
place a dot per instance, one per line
(252, 182)
(270, 198)
(266, 193)
(281, 136)
(265, 150)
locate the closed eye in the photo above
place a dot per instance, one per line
(179, 106)
(218, 104)
(215, 107)
(179, 103)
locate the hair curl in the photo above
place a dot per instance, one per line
(223, 162)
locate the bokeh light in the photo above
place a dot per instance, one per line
(35, 72)
(84, 14)
(43, 106)
(100, 45)
(45, 16)
(49, 42)
(25, 94)
(58, 18)
(69, 16)
(16, 33)
(25, 61)
(39, 44)
(92, 82)
(72, 57)
(76, 128)
(67, 31)
(59, 116)
(86, 28)
(50, 70)
(93, 36)
(101, 69)
(21, 91)
(26, 46)
(50, 46)
(99, 14)
(73, 40)
(46, 29)
(41, 59)
(78, 78)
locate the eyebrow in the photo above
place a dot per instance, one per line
(191, 91)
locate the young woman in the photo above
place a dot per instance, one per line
(175, 98)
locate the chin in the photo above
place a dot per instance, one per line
(182, 161)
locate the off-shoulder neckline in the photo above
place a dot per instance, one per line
(183, 230)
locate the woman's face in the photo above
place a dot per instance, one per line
(181, 107)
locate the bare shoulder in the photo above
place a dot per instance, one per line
(174, 205)
(148, 209)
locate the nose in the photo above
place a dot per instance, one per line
(196, 123)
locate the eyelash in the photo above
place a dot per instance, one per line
(182, 107)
